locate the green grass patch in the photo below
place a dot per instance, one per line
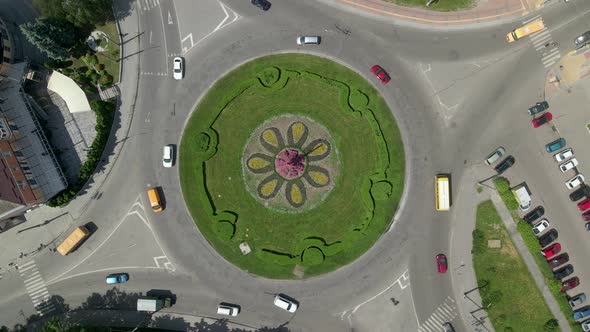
(554, 286)
(110, 56)
(503, 187)
(367, 186)
(441, 5)
(509, 294)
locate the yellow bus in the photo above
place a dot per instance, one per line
(73, 240)
(525, 30)
(442, 192)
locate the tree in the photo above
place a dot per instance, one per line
(52, 36)
(50, 8)
(88, 12)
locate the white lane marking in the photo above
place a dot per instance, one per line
(531, 19)
(36, 288)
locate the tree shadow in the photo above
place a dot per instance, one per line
(117, 309)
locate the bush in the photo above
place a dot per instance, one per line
(106, 80)
(551, 325)
(100, 66)
(503, 187)
(90, 59)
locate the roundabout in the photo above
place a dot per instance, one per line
(291, 166)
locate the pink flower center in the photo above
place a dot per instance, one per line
(290, 163)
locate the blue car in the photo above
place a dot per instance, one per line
(117, 278)
(582, 313)
(555, 145)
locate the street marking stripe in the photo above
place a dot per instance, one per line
(531, 19)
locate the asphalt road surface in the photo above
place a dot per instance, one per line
(456, 95)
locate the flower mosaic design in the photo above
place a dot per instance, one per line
(288, 161)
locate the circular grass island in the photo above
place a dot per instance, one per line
(291, 166)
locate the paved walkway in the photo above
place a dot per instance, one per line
(484, 11)
(571, 68)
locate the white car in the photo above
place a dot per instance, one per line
(586, 326)
(575, 181)
(303, 40)
(285, 304)
(563, 155)
(568, 165)
(227, 309)
(168, 156)
(494, 156)
(178, 68)
(540, 226)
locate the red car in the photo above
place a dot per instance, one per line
(441, 263)
(381, 74)
(543, 119)
(584, 205)
(551, 251)
(586, 216)
(569, 284)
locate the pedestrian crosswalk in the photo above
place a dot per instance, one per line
(36, 288)
(147, 5)
(444, 313)
(544, 44)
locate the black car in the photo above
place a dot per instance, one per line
(558, 260)
(448, 327)
(535, 214)
(580, 193)
(587, 226)
(582, 39)
(504, 165)
(563, 272)
(549, 237)
(538, 108)
(262, 4)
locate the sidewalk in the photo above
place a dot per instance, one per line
(484, 11)
(528, 259)
(564, 75)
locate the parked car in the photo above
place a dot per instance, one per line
(563, 155)
(381, 74)
(563, 272)
(535, 214)
(494, 156)
(178, 68)
(569, 284)
(308, 40)
(538, 107)
(227, 309)
(586, 326)
(582, 40)
(577, 300)
(586, 216)
(568, 165)
(540, 226)
(285, 303)
(168, 156)
(582, 313)
(580, 193)
(441, 263)
(117, 278)
(504, 165)
(575, 181)
(448, 327)
(549, 237)
(543, 119)
(587, 226)
(262, 4)
(584, 205)
(551, 251)
(558, 260)
(555, 145)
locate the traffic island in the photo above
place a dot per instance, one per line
(291, 166)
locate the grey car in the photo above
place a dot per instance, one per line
(577, 300)
(538, 107)
(448, 327)
(582, 39)
(494, 156)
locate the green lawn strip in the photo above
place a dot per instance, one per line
(441, 5)
(111, 56)
(509, 294)
(336, 217)
(532, 243)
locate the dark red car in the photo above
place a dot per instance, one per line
(551, 251)
(558, 260)
(584, 205)
(569, 284)
(441, 263)
(381, 74)
(586, 216)
(543, 119)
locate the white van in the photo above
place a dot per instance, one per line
(523, 196)
(228, 309)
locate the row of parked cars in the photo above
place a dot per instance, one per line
(566, 160)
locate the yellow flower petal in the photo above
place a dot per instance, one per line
(268, 188)
(296, 196)
(298, 130)
(319, 178)
(257, 163)
(319, 150)
(270, 137)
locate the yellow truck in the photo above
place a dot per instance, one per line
(73, 240)
(525, 30)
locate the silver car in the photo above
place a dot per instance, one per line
(577, 300)
(494, 156)
(303, 40)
